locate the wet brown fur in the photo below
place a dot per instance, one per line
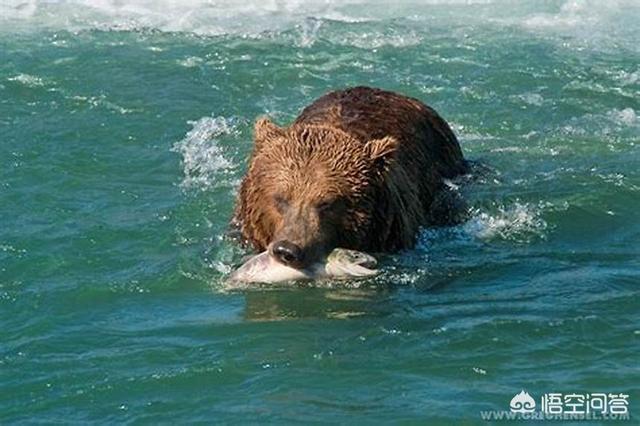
(359, 168)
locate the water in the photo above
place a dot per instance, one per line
(124, 131)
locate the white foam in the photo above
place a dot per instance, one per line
(17, 9)
(624, 117)
(626, 78)
(508, 149)
(615, 127)
(204, 162)
(190, 61)
(589, 23)
(27, 80)
(534, 99)
(377, 39)
(581, 20)
(208, 17)
(572, 13)
(101, 101)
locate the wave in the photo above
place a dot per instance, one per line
(580, 18)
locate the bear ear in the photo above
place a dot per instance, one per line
(265, 130)
(381, 151)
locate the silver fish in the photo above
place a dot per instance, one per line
(340, 264)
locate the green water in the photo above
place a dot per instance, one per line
(124, 133)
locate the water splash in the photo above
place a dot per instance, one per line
(204, 161)
(518, 222)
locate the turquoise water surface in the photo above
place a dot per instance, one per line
(124, 132)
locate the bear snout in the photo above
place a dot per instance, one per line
(288, 253)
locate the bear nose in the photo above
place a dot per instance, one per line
(287, 253)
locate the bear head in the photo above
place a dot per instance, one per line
(310, 189)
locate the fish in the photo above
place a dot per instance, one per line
(339, 264)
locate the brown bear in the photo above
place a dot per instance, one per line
(359, 168)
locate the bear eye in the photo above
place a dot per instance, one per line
(281, 203)
(328, 206)
(325, 206)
